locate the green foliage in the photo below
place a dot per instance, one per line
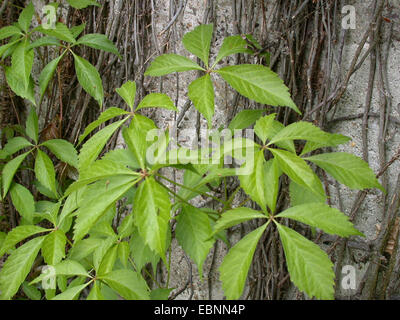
(111, 225)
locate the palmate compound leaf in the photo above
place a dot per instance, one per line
(194, 234)
(258, 83)
(17, 267)
(234, 268)
(322, 216)
(347, 169)
(309, 266)
(152, 208)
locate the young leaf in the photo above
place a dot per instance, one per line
(298, 170)
(194, 234)
(16, 144)
(23, 201)
(309, 267)
(152, 208)
(245, 118)
(60, 31)
(201, 92)
(198, 42)
(235, 266)
(305, 131)
(92, 148)
(99, 41)
(258, 83)
(81, 4)
(32, 125)
(347, 169)
(108, 114)
(89, 78)
(128, 93)
(9, 31)
(71, 293)
(9, 171)
(17, 267)
(231, 45)
(169, 63)
(53, 247)
(25, 18)
(44, 171)
(322, 216)
(18, 234)
(157, 100)
(90, 212)
(129, 284)
(235, 216)
(47, 74)
(63, 150)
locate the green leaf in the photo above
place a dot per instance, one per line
(44, 171)
(322, 216)
(81, 4)
(141, 252)
(157, 100)
(258, 83)
(301, 195)
(194, 234)
(16, 144)
(77, 30)
(17, 84)
(71, 293)
(245, 118)
(198, 41)
(23, 201)
(60, 31)
(169, 63)
(347, 169)
(298, 170)
(305, 131)
(335, 139)
(92, 148)
(18, 234)
(152, 208)
(122, 156)
(309, 267)
(160, 293)
(63, 150)
(201, 92)
(99, 41)
(123, 252)
(231, 45)
(235, 266)
(129, 284)
(9, 171)
(262, 183)
(47, 74)
(31, 292)
(108, 261)
(21, 64)
(53, 247)
(128, 93)
(25, 18)
(91, 211)
(108, 114)
(135, 137)
(9, 31)
(95, 293)
(89, 78)
(17, 267)
(235, 216)
(83, 248)
(44, 41)
(32, 125)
